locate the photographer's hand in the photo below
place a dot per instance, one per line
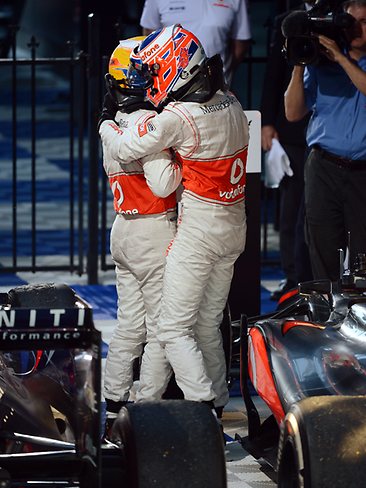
(331, 49)
(356, 74)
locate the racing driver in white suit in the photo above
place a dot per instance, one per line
(207, 128)
(145, 224)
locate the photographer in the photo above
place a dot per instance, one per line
(335, 171)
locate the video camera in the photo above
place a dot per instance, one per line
(301, 29)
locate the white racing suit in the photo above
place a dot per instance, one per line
(211, 141)
(144, 226)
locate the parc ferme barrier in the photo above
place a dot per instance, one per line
(34, 114)
(51, 106)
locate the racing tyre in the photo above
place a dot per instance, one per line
(43, 295)
(171, 444)
(322, 443)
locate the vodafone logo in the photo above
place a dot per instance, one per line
(117, 193)
(149, 52)
(237, 171)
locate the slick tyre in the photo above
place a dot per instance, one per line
(171, 444)
(44, 295)
(322, 443)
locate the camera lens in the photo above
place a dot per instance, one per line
(302, 50)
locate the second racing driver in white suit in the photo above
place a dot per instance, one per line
(145, 224)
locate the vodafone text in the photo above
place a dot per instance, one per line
(134, 211)
(146, 54)
(239, 190)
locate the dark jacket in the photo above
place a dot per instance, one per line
(277, 77)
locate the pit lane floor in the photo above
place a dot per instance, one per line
(243, 470)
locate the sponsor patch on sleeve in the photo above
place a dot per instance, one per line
(146, 126)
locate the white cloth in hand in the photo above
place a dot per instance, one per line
(276, 165)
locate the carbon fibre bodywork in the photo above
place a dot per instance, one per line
(313, 345)
(50, 418)
(308, 358)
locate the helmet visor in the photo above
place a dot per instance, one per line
(137, 79)
(140, 69)
(120, 89)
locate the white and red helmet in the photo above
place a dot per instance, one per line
(169, 59)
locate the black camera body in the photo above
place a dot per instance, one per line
(301, 30)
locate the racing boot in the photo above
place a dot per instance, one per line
(113, 408)
(217, 413)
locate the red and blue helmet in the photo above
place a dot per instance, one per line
(168, 59)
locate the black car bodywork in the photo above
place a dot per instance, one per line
(50, 408)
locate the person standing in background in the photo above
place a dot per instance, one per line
(222, 26)
(294, 254)
(335, 170)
